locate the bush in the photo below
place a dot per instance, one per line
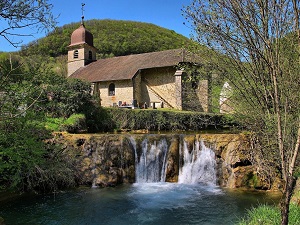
(54, 124)
(22, 150)
(99, 119)
(74, 124)
(29, 160)
(158, 120)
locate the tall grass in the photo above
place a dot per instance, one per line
(54, 124)
(270, 215)
(73, 123)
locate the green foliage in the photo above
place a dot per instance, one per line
(28, 159)
(270, 215)
(54, 124)
(297, 172)
(111, 38)
(75, 123)
(21, 151)
(30, 83)
(158, 120)
(199, 77)
(108, 119)
(57, 171)
(251, 180)
(264, 214)
(63, 97)
(99, 119)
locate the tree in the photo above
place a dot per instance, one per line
(27, 161)
(256, 45)
(31, 92)
(19, 14)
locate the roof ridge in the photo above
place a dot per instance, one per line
(125, 67)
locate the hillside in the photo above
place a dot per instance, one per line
(111, 38)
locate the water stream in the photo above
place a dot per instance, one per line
(146, 204)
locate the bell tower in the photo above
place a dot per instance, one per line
(81, 51)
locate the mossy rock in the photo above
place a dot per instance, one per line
(252, 180)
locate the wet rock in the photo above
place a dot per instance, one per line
(109, 159)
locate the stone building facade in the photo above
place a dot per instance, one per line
(141, 80)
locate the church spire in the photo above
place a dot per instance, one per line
(81, 50)
(82, 13)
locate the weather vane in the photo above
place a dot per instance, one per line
(82, 12)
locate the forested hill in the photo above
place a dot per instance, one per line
(111, 38)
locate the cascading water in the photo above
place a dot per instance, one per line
(198, 165)
(151, 165)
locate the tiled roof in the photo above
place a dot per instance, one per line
(81, 36)
(125, 67)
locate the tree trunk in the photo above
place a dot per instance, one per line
(290, 183)
(286, 198)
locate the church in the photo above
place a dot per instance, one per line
(144, 80)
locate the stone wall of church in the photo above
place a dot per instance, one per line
(137, 88)
(123, 93)
(203, 94)
(82, 57)
(195, 95)
(158, 85)
(75, 63)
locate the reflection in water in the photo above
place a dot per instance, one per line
(147, 203)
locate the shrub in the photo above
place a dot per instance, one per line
(74, 124)
(165, 120)
(54, 124)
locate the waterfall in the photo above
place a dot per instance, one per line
(151, 165)
(198, 165)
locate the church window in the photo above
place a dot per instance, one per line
(76, 54)
(111, 89)
(90, 55)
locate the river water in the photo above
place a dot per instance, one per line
(195, 199)
(147, 203)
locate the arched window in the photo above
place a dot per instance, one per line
(111, 89)
(90, 55)
(75, 54)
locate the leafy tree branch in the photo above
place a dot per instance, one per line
(19, 14)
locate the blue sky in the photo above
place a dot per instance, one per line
(164, 13)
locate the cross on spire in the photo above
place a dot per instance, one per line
(82, 12)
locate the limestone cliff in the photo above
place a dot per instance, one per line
(110, 159)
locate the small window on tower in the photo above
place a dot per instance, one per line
(90, 55)
(76, 54)
(111, 89)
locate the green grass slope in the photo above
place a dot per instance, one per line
(111, 38)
